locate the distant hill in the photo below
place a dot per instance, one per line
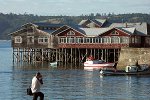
(11, 22)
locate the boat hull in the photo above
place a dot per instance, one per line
(125, 73)
(98, 66)
(53, 63)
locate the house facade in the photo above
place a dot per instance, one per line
(89, 37)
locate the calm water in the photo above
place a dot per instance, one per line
(67, 83)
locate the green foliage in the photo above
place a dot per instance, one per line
(11, 22)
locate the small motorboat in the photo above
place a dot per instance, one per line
(53, 63)
(97, 64)
(142, 69)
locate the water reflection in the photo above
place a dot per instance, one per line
(71, 82)
(67, 82)
(45, 65)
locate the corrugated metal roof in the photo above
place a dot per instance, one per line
(100, 21)
(96, 21)
(48, 31)
(98, 31)
(141, 28)
(94, 31)
(129, 30)
(82, 21)
(43, 24)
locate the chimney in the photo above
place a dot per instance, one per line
(126, 24)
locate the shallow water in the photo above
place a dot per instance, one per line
(67, 83)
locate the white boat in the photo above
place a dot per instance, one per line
(97, 64)
(53, 63)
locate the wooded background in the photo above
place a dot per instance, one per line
(11, 22)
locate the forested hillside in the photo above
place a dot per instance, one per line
(11, 22)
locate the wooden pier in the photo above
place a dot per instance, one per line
(72, 55)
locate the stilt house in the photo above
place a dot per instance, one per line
(72, 43)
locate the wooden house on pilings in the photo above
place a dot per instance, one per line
(73, 43)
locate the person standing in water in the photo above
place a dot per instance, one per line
(36, 85)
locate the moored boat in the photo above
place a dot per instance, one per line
(142, 69)
(97, 64)
(53, 63)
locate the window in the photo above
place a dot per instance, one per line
(95, 40)
(18, 39)
(43, 39)
(106, 40)
(70, 33)
(62, 40)
(133, 40)
(30, 39)
(137, 39)
(124, 40)
(87, 40)
(114, 39)
(99, 40)
(78, 40)
(147, 40)
(114, 33)
(70, 40)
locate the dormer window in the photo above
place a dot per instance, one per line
(18, 39)
(70, 33)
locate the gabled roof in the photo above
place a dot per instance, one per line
(41, 32)
(98, 22)
(93, 32)
(66, 27)
(29, 24)
(59, 26)
(130, 31)
(141, 28)
(48, 31)
(44, 24)
(18, 31)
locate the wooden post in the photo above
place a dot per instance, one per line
(79, 55)
(98, 53)
(56, 54)
(65, 55)
(42, 54)
(105, 55)
(94, 54)
(18, 54)
(75, 55)
(114, 55)
(13, 55)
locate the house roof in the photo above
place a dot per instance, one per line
(44, 24)
(99, 22)
(29, 24)
(130, 30)
(141, 28)
(94, 31)
(66, 27)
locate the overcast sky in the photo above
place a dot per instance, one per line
(74, 7)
